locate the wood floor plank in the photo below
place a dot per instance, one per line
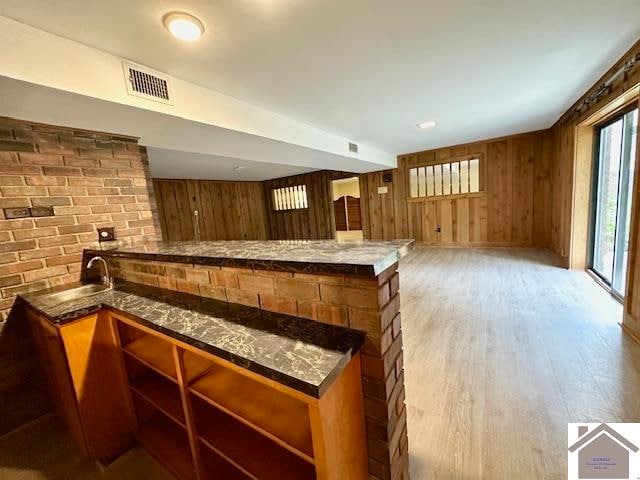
(502, 350)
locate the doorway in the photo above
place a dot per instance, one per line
(346, 208)
(611, 199)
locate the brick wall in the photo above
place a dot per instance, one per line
(91, 180)
(368, 304)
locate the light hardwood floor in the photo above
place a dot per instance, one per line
(502, 349)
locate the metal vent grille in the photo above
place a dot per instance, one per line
(353, 147)
(146, 83)
(142, 82)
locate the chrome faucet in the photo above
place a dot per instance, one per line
(107, 280)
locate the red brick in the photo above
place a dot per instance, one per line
(19, 170)
(256, 283)
(242, 297)
(63, 210)
(41, 180)
(50, 201)
(17, 202)
(55, 221)
(9, 180)
(17, 246)
(67, 230)
(67, 191)
(297, 289)
(85, 182)
(325, 313)
(350, 296)
(16, 224)
(23, 191)
(121, 199)
(20, 267)
(81, 161)
(99, 172)
(274, 303)
(44, 273)
(64, 259)
(61, 240)
(211, 291)
(40, 253)
(89, 200)
(106, 209)
(63, 171)
(40, 159)
(103, 191)
(34, 233)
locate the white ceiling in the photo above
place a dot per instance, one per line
(370, 70)
(214, 167)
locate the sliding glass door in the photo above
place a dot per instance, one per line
(613, 185)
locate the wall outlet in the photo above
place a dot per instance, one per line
(106, 234)
(383, 189)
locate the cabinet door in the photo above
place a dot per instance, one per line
(54, 362)
(99, 382)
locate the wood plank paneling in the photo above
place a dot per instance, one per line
(315, 222)
(514, 208)
(226, 210)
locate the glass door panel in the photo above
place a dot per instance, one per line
(615, 170)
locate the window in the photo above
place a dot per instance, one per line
(611, 198)
(450, 178)
(290, 198)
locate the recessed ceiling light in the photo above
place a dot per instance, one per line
(427, 124)
(183, 26)
(239, 167)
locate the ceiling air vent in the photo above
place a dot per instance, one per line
(353, 147)
(146, 83)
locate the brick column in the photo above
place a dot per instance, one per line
(370, 304)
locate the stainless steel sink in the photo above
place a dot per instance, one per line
(54, 299)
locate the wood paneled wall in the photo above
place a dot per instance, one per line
(315, 222)
(226, 210)
(564, 161)
(513, 209)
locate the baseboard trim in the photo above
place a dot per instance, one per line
(630, 332)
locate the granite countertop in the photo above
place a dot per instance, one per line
(300, 353)
(364, 258)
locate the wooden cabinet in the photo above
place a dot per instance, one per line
(223, 421)
(202, 417)
(87, 382)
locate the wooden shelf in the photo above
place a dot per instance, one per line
(217, 468)
(281, 418)
(162, 394)
(252, 453)
(168, 444)
(157, 354)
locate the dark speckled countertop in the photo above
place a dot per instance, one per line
(300, 353)
(363, 258)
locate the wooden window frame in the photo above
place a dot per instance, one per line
(441, 161)
(287, 208)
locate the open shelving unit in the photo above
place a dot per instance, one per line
(205, 420)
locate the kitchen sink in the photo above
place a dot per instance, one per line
(77, 293)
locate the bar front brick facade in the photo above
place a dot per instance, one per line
(370, 304)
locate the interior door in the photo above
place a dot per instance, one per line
(612, 194)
